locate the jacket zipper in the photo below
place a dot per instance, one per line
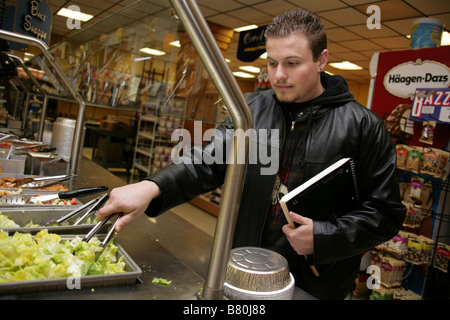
(281, 148)
(292, 121)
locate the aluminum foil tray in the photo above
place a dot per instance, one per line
(258, 274)
(133, 272)
(41, 215)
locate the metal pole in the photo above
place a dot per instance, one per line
(214, 62)
(76, 145)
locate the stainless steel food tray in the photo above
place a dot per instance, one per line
(41, 215)
(133, 272)
(35, 192)
(67, 182)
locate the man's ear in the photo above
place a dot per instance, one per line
(323, 59)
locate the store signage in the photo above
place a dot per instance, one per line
(251, 45)
(431, 105)
(403, 79)
(402, 73)
(33, 18)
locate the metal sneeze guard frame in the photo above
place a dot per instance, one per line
(41, 90)
(213, 60)
(76, 145)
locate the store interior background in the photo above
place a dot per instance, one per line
(346, 22)
(349, 38)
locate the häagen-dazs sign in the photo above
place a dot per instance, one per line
(403, 79)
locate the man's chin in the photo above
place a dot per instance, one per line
(284, 98)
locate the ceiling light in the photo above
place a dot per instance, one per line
(345, 65)
(263, 56)
(245, 28)
(227, 60)
(175, 43)
(243, 74)
(152, 52)
(73, 14)
(250, 69)
(142, 58)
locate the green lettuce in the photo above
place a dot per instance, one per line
(5, 222)
(46, 256)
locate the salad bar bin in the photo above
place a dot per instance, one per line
(33, 220)
(129, 276)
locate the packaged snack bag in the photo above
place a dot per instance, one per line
(442, 257)
(402, 155)
(428, 132)
(416, 187)
(414, 159)
(430, 163)
(442, 164)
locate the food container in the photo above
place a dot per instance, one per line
(14, 165)
(35, 192)
(62, 185)
(46, 164)
(43, 214)
(426, 33)
(62, 137)
(129, 277)
(258, 274)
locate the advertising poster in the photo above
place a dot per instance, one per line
(399, 75)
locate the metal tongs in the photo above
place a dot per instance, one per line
(92, 205)
(110, 236)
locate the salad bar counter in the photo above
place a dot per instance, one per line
(165, 258)
(153, 269)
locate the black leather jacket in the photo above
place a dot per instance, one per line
(340, 127)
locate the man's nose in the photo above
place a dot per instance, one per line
(280, 73)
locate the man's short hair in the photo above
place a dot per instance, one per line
(299, 21)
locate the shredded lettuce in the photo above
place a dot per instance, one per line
(5, 222)
(47, 256)
(31, 224)
(162, 282)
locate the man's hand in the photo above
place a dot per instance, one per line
(302, 237)
(132, 200)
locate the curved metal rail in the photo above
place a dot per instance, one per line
(213, 60)
(45, 102)
(76, 145)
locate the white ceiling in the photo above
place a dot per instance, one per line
(345, 20)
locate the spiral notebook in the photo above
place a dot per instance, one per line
(325, 195)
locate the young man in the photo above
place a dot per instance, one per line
(318, 122)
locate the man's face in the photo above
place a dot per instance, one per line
(293, 74)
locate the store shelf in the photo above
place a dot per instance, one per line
(147, 135)
(209, 202)
(149, 118)
(153, 144)
(206, 205)
(143, 151)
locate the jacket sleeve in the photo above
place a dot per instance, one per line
(195, 171)
(379, 214)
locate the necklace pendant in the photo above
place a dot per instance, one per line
(292, 125)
